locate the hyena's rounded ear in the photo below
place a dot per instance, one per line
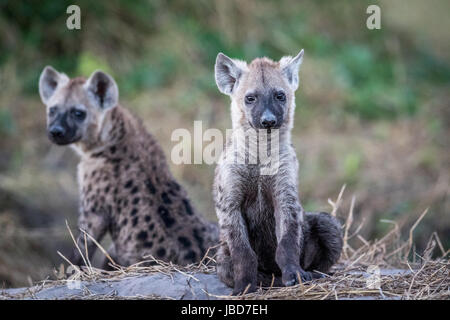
(102, 90)
(228, 72)
(290, 67)
(49, 81)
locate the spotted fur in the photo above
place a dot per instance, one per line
(125, 186)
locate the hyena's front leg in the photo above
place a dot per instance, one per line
(288, 217)
(95, 224)
(243, 258)
(225, 265)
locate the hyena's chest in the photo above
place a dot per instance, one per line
(93, 181)
(95, 186)
(258, 212)
(257, 194)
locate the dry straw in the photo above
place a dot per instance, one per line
(401, 272)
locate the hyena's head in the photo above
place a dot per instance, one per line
(262, 92)
(76, 107)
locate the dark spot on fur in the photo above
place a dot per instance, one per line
(129, 184)
(147, 218)
(151, 188)
(151, 227)
(161, 239)
(136, 201)
(176, 186)
(184, 241)
(199, 239)
(161, 252)
(148, 244)
(135, 221)
(124, 222)
(190, 255)
(173, 188)
(134, 190)
(165, 198)
(188, 207)
(107, 189)
(134, 212)
(165, 216)
(113, 149)
(127, 166)
(115, 160)
(142, 235)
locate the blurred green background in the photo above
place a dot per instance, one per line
(372, 108)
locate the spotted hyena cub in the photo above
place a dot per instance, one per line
(125, 184)
(263, 228)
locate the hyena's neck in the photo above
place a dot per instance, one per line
(112, 132)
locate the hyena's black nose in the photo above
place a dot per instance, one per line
(57, 131)
(268, 121)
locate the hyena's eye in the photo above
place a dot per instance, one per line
(52, 111)
(78, 114)
(250, 98)
(280, 96)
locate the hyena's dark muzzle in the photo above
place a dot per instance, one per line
(61, 131)
(268, 120)
(268, 112)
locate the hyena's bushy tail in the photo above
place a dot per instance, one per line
(322, 241)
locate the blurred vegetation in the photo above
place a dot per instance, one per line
(372, 109)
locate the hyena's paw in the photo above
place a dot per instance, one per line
(317, 275)
(291, 275)
(241, 287)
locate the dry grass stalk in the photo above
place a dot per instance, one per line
(427, 279)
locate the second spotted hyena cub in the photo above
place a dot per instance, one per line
(263, 227)
(125, 184)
